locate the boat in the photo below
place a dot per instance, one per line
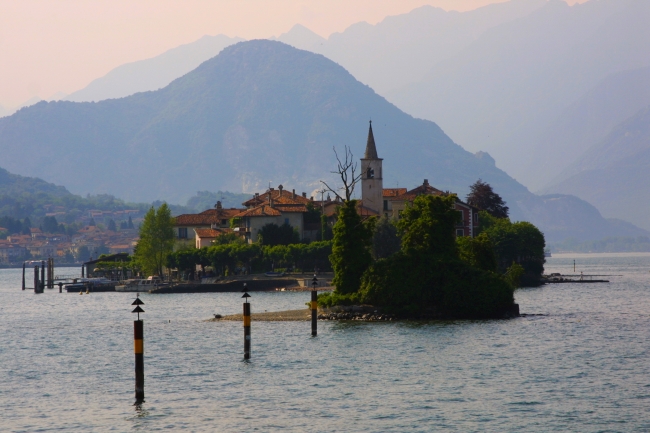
(138, 285)
(91, 285)
(547, 253)
(275, 274)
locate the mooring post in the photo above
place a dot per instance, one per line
(36, 283)
(52, 273)
(82, 271)
(42, 275)
(314, 306)
(138, 346)
(247, 325)
(23, 275)
(49, 273)
(60, 287)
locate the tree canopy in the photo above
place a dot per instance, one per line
(156, 240)
(350, 248)
(483, 197)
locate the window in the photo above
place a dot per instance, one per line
(476, 218)
(370, 173)
(460, 233)
(399, 213)
(385, 204)
(286, 221)
(182, 232)
(462, 218)
(223, 222)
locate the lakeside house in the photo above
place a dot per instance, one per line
(217, 220)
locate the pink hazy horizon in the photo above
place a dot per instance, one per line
(50, 47)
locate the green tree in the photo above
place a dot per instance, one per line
(92, 222)
(50, 224)
(130, 223)
(156, 240)
(427, 278)
(519, 242)
(385, 240)
(27, 224)
(273, 234)
(483, 197)
(478, 252)
(229, 238)
(427, 226)
(111, 226)
(350, 248)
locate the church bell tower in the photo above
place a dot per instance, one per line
(372, 184)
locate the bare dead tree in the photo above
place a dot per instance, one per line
(347, 170)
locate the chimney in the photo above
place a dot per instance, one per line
(329, 198)
(304, 194)
(311, 198)
(293, 194)
(280, 187)
(218, 206)
(426, 182)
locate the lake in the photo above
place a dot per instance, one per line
(577, 362)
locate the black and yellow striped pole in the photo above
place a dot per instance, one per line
(314, 306)
(247, 325)
(138, 346)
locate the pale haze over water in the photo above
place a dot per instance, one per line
(579, 363)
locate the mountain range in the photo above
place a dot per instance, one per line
(615, 172)
(260, 112)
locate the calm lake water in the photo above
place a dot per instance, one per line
(579, 364)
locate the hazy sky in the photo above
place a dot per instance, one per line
(61, 45)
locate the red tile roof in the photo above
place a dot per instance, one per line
(286, 197)
(393, 192)
(260, 211)
(424, 189)
(207, 217)
(211, 233)
(290, 207)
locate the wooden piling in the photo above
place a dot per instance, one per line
(23, 275)
(36, 282)
(138, 345)
(42, 286)
(60, 287)
(314, 313)
(247, 330)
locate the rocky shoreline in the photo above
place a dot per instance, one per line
(359, 313)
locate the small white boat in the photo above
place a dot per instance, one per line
(137, 285)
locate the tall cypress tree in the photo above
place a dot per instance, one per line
(350, 248)
(156, 240)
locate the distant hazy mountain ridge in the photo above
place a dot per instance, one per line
(615, 173)
(260, 111)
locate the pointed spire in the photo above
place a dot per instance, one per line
(371, 150)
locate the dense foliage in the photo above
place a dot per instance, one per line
(427, 277)
(156, 240)
(483, 197)
(272, 234)
(385, 239)
(350, 248)
(519, 242)
(227, 259)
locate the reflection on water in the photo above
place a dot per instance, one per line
(576, 362)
